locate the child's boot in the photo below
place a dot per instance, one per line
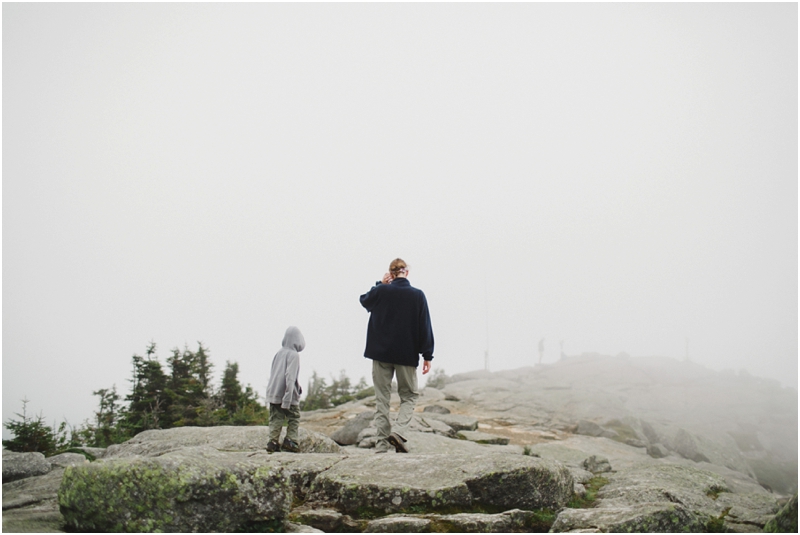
(290, 445)
(273, 446)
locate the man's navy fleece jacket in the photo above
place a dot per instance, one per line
(399, 324)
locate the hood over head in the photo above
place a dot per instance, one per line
(293, 339)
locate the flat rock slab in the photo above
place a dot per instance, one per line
(67, 459)
(433, 443)
(459, 422)
(399, 524)
(21, 465)
(31, 505)
(32, 490)
(483, 438)
(397, 483)
(190, 490)
(659, 497)
(43, 517)
(223, 438)
(642, 518)
(750, 512)
(691, 487)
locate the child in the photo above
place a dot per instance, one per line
(283, 392)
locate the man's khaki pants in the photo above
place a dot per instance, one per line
(382, 373)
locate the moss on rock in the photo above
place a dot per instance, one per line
(173, 493)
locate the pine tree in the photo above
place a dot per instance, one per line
(107, 418)
(30, 434)
(148, 401)
(231, 389)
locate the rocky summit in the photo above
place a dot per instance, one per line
(588, 444)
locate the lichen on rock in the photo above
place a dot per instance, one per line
(189, 490)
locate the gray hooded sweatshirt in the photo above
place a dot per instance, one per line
(283, 388)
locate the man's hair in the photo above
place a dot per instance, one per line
(397, 265)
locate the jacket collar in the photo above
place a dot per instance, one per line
(401, 281)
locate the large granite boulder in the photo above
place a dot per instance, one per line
(188, 490)
(391, 483)
(222, 438)
(23, 465)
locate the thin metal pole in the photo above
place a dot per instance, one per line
(486, 296)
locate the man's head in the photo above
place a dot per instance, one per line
(398, 268)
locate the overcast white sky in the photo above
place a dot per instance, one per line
(617, 176)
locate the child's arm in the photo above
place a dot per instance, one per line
(292, 372)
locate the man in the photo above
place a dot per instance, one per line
(399, 330)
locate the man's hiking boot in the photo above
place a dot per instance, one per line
(273, 446)
(290, 445)
(398, 442)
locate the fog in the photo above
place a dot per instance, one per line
(619, 177)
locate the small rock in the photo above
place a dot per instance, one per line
(399, 524)
(438, 409)
(657, 451)
(291, 527)
(686, 446)
(326, 520)
(580, 476)
(592, 429)
(348, 434)
(431, 425)
(597, 465)
(459, 422)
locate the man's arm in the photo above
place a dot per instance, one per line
(369, 299)
(425, 332)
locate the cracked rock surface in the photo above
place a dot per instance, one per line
(594, 444)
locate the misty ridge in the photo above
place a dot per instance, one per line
(740, 421)
(722, 418)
